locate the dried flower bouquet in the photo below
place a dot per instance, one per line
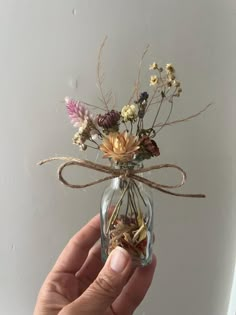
(126, 139)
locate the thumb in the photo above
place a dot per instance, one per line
(107, 286)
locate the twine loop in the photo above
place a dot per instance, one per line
(121, 173)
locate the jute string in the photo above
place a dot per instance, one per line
(128, 173)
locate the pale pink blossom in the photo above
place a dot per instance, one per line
(77, 112)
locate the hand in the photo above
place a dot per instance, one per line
(79, 284)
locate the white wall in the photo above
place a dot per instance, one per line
(44, 49)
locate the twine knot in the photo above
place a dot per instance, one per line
(69, 161)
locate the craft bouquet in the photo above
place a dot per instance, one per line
(126, 139)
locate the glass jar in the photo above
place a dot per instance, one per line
(127, 218)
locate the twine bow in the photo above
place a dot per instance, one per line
(130, 173)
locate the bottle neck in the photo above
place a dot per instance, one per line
(121, 182)
(133, 165)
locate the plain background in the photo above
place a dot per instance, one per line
(48, 49)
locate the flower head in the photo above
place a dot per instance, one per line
(170, 68)
(79, 139)
(179, 91)
(128, 113)
(77, 111)
(153, 80)
(153, 66)
(109, 120)
(150, 146)
(143, 97)
(176, 83)
(85, 132)
(120, 147)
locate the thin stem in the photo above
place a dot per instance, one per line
(93, 141)
(94, 106)
(132, 203)
(155, 90)
(137, 83)
(125, 126)
(138, 190)
(161, 96)
(170, 112)
(99, 132)
(105, 98)
(158, 111)
(127, 207)
(183, 119)
(131, 127)
(117, 207)
(91, 147)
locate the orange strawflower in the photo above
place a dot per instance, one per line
(120, 147)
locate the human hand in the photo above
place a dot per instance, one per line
(79, 284)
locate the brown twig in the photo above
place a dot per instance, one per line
(184, 119)
(105, 97)
(137, 83)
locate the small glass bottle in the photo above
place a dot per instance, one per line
(127, 218)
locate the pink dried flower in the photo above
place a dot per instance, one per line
(77, 111)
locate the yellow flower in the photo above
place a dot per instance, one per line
(153, 66)
(120, 147)
(170, 68)
(128, 113)
(153, 80)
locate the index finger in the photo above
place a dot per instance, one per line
(76, 251)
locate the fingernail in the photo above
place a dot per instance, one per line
(119, 259)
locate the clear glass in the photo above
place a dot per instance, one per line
(127, 219)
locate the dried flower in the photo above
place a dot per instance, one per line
(86, 127)
(169, 82)
(153, 80)
(120, 147)
(170, 68)
(153, 66)
(171, 76)
(130, 234)
(79, 139)
(179, 91)
(142, 98)
(176, 83)
(109, 120)
(86, 132)
(77, 111)
(148, 148)
(128, 113)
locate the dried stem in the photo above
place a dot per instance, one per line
(155, 91)
(116, 210)
(168, 117)
(170, 123)
(105, 97)
(129, 230)
(94, 106)
(137, 83)
(158, 111)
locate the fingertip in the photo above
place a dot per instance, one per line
(119, 259)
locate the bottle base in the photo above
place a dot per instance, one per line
(136, 261)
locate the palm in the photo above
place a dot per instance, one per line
(60, 290)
